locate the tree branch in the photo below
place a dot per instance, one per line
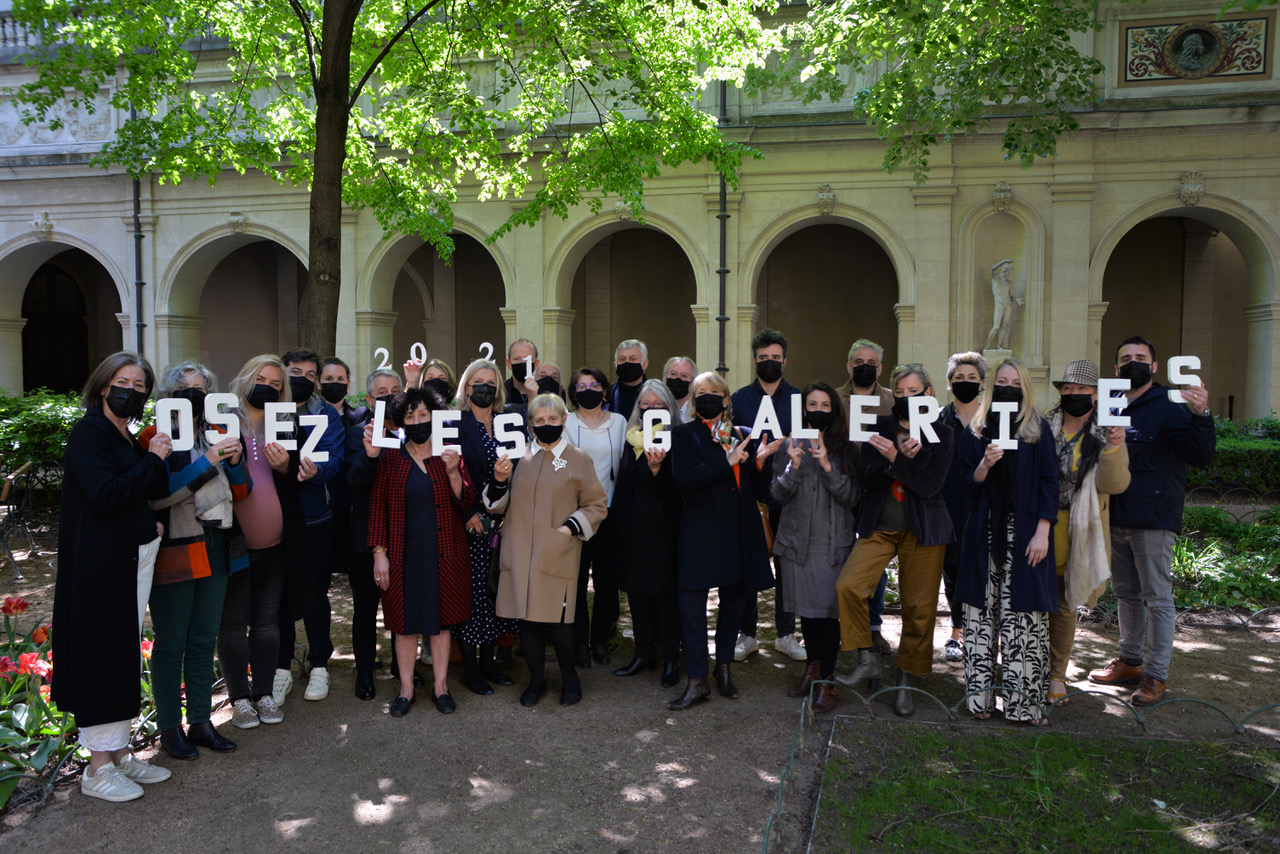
(310, 39)
(386, 49)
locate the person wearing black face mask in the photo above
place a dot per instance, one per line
(522, 366)
(678, 374)
(1163, 438)
(549, 381)
(816, 482)
(769, 353)
(552, 503)
(107, 544)
(630, 360)
(420, 558)
(601, 435)
(1093, 465)
(481, 401)
(335, 384)
(966, 373)
(310, 562)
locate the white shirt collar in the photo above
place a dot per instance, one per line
(557, 450)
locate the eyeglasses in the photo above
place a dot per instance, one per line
(591, 387)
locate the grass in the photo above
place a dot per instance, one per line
(912, 787)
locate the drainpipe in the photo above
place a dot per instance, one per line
(723, 216)
(138, 236)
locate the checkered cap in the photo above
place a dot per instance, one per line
(1080, 372)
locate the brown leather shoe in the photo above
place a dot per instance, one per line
(696, 691)
(880, 644)
(801, 688)
(1118, 673)
(1150, 692)
(724, 682)
(824, 698)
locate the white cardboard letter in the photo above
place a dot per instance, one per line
(274, 427)
(444, 426)
(857, 417)
(766, 419)
(924, 411)
(510, 435)
(380, 437)
(654, 438)
(1175, 367)
(317, 423)
(166, 408)
(1109, 406)
(1004, 436)
(226, 419)
(797, 431)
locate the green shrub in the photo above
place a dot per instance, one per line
(1202, 522)
(1240, 463)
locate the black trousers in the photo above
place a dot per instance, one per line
(949, 570)
(534, 637)
(600, 557)
(693, 626)
(655, 618)
(822, 642)
(784, 620)
(365, 599)
(316, 620)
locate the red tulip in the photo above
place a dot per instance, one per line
(146, 649)
(13, 606)
(32, 663)
(6, 666)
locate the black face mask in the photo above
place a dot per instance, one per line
(333, 392)
(965, 392)
(1137, 373)
(418, 434)
(590, 398)
(629, 372)
(196, 396)
(1077, 404)
(1006, 394)
(818, 419)
(301, 388)
(262, 395)
(440, 386)
(769, 371)
(548, 385)
(708, 406)
(548, 434)
(126, 402)
(863, 376)
(901, 410)
(679, 388)
(483, 395)
(519, 372)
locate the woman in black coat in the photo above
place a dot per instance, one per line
(721, 540)
(108, 539)
(646, 521)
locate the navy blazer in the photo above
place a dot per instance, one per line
(721, 538)
(1034, 588)
(471, 437)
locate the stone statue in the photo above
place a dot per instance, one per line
(1002, 286)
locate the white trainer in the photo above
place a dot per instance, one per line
(268, 711)
(744, 647)
(109, 785)
(318, 684)
(789, 646)
(243, 715)
(142, 772)
(425, 655)
(281, 685)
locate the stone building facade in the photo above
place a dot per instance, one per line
(1161, 217)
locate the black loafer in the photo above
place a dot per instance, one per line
(495, 675)
(479, 686)
(583, 658)
(570, 696)
(365, 689)
(400, 706)
(204, 735)
(533, 694)
(445, 704)
(175, 743)
(601, 654)
(636, 665)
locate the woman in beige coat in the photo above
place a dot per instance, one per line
(552, 503)
(1093, 465)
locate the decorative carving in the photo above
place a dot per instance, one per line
(238, 221)
(623, 210)
(1003, 289)
(1192, 189)
(42, 226)
(1001, 196)
(1172, 51)
(826, 200)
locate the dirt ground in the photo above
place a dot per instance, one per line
(618, 772)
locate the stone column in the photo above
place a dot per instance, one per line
(1197, 298)
(706, 344)
(1071, 326)
(739, 358)
(509, 314)
(1262, 377)
(177, 338)
(374, 329)
(924, 317)
(444, 292)
(557, 337)
(11, 354)
(906, 315)
(1097, 311)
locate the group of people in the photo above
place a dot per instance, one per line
(486, 541)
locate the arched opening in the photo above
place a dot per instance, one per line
(70, 305)
(1183, 284)
(825, 286)
(633, 283)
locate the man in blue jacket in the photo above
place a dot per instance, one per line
(1163, 438)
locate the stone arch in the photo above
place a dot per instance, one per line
(183, 280)
(22, 256)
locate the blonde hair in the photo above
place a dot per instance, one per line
(244, 382)
(1028, 423)
(718, 385)
(444, 368)
(463, 400)
(901, 372)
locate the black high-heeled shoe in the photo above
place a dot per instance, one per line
(636, 665)
(205, 735)
(175, 743)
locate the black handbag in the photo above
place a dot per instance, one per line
(495, 550)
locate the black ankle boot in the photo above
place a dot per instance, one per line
(365, 689)
(724, 682)
(670, 674)
(637, 664)
(174, 741)
(471, 671)
(206, 736)
(696, 691)
(489, 667)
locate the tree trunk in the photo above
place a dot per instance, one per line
(318, 309)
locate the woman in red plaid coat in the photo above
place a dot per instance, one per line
(420, 557)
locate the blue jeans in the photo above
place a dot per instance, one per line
(875, 605)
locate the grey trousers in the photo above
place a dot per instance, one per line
(1142, 579)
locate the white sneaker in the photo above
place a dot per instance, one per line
(142, 772)
(243, 714)
(744, 647)
(109, 785)
(318, 684)
(268, 711)
(425, 656)
(788, 645)
(281, 685)
(954, 650)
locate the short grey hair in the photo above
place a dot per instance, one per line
(175, 378)
(659, 388)
(866, 343)
(546, 401)
(692, 364)
(972, 357)
(380, 372)
(632, 344)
